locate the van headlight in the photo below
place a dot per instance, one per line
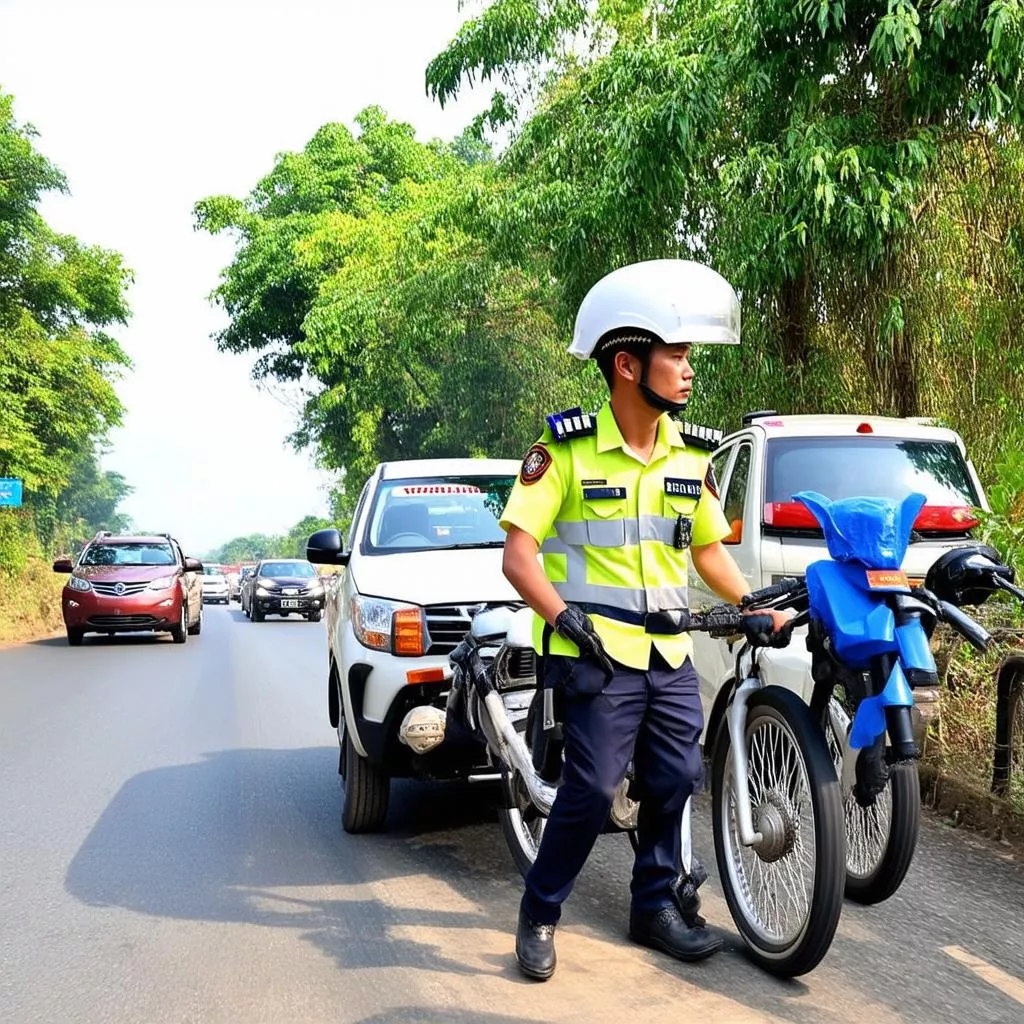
(77, 583)
(389, 626)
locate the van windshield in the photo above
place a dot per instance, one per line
(875, 467)
(437, 513)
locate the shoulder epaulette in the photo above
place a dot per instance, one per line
(573, 423)
(696, 436)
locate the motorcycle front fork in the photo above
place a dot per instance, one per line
(693, 873)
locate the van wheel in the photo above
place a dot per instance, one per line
(364, 802)
(314, 616)
(75, 637)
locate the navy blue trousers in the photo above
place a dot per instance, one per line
(653, 717)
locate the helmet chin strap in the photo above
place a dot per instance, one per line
(655, 400)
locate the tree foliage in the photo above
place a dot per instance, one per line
(851, 166)
(363, 271)
(58, 364)
(260, 545)
(854, 168)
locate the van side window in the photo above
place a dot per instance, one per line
(735, 498)
(719, 462)
(358, 512)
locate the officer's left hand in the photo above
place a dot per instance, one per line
(779, 620)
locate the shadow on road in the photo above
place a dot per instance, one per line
(250, 836)
(429, 1015)
(101, 640)
(253, 836)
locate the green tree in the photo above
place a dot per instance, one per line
(795, 146)
(58, 364)
(90, 501)
(363, 269)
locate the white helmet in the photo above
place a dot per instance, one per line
(678, 301)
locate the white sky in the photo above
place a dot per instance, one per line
(147, 107)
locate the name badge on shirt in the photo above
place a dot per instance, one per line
(590, 493)
(681, 488)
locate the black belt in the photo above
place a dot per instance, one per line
(669, 622)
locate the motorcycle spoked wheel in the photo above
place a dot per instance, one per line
(522, 823)
(786, 894)
(880, 838)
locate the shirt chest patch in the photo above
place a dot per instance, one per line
(594, 493)
(680, 487)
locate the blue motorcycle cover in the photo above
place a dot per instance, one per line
(873, 532)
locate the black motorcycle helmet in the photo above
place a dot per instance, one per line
(965, 576)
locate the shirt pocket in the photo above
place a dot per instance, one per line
(673, 507)
(605, 520)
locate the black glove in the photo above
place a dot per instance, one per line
(575, 626)
(758, 630)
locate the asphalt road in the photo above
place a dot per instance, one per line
(170, 851)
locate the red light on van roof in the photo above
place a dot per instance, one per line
(864, 428)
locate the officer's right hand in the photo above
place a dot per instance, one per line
(575, 626)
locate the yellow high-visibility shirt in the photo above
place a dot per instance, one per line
(609, 527)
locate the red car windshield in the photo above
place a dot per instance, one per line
(129, 553)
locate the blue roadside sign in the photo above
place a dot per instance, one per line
(10, 492)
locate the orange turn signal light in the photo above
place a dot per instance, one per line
(407, 632)
(425, 675)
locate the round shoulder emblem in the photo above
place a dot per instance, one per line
(535, 465)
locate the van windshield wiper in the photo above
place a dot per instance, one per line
(477, 544)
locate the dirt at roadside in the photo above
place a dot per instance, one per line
(964, 804)
(30, 604)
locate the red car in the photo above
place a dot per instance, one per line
(130, 584)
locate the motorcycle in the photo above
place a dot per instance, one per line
(881, 789)
(780, 767)
(777, 812)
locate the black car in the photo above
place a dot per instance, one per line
(283, 586)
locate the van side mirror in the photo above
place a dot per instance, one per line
(325, 547)
(735, 533)
(193, 565)
(62, 565)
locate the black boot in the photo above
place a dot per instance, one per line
(535, 948)
(666, 930)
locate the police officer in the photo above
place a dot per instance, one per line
(614, 503)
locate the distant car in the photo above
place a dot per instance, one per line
(215, 585)
(283, 586)
(235, 581)
(130, 584)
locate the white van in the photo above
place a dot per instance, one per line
(759, 469)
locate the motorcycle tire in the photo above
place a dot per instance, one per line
(782, 739)
(521, 822)
(880, 839)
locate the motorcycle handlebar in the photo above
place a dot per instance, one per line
(766, 595)
(973, 632)
(724, 620)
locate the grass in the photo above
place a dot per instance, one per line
(30, 602)
(957, 767)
